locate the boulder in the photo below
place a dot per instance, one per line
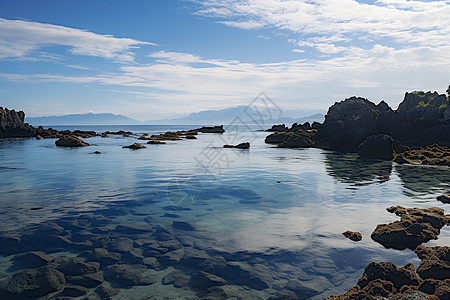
(105, 291)
(416, 226)
(239, 146)
(70, 141)
(177, 278)
(135, 146)
(380, 146)
(12, 124)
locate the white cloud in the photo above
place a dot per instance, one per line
(19, 38)
(410, 23)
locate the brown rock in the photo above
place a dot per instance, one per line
(415, 227)
(444, 198)
(70, 141)
(352, 235)
(435, 262)
(135, 146)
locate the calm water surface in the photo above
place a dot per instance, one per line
(284, 209)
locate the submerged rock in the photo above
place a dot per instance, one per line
(239, 146)
(135, 146)
(354, 236)
(34, 283)
(127, 275)
(415, 227)
(177, 278)
(70, 141)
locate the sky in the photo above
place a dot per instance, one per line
(155, 59)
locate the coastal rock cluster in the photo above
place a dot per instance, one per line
(432, 277)
(377, 131)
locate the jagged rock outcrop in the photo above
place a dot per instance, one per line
(12, 124)
(352, 235)
(135, 146)
(296, 139)
(278, 128)
(421, 119)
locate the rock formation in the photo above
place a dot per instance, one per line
(353, 235)
(376, 131)
(70, 141)
(12, 124)
(239, 146)
(214, 129)
(416, 226)
(434, 155)
(135, 146)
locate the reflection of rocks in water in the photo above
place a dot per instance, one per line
(423, 179)
(348, 168)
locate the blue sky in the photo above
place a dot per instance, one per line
(158, 59)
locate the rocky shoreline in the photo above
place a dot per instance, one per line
(417, 132)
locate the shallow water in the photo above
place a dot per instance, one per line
(282, 211)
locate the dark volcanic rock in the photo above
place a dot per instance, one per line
(421, 119)
(294, 139)
(34, 259)
(77, 266)
(135, 146)
(214, 129)
(86, 280)
(70, 141)
(12, 124)
(380, 146)
(34, 283)
(239, 146)
(415, 227)
(347, 124)
(354, 236)
(75, 291)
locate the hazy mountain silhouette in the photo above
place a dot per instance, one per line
(82, 119)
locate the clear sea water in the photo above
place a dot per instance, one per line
(284, 208)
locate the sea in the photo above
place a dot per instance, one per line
(274, 216)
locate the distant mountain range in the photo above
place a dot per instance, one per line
(82, 119)
(228, 115)
(206, 117)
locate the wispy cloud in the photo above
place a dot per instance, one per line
(18, 39)
(322, 24)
